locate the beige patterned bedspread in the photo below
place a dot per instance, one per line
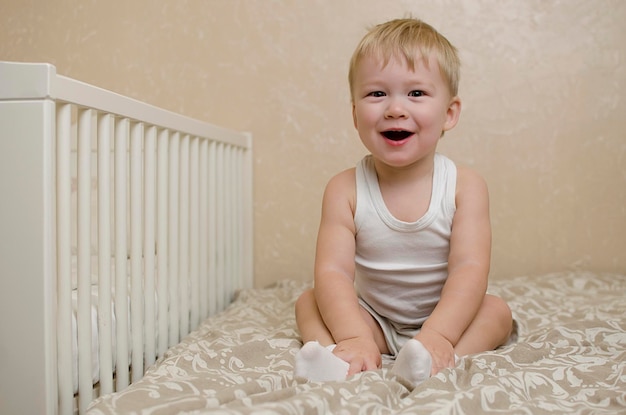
(570, 357)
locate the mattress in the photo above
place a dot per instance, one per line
(569, 357)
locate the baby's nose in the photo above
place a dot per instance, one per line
(395, 109)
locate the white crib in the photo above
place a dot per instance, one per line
(122, 226)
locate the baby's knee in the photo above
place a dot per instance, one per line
(500, 310)
(305, 301)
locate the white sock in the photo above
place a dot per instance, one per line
(413, 362)
(318, 363)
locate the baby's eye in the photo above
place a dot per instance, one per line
(376, 94)
(416, 93)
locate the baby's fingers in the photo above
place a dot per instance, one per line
(360, 364)
(356, 366)
(440, 364)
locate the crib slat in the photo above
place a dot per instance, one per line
(203, 225)
(194, 234)
(220, 224)
(64, 278)
(234, 219)
(238, 210)
(247, 207)
(136, 236)
(173, 236)
(162, 240)
(212, 228)
(227, 214)
(121, 280)
(83, 317)
(149, 243)
(104, 254)
(183, 240)
(243, 205)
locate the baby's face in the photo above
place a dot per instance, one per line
(399, 112)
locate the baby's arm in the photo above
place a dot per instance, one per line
(334, 276)
(468, 268)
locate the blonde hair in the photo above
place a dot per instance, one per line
(411, 39)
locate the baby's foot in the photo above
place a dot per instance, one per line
(413, 363)
(318, 363)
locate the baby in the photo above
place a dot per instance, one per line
(404, 243)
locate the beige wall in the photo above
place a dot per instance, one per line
(543, 84)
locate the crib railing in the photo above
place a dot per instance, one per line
(154, 208)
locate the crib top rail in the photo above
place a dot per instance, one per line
(32, 81)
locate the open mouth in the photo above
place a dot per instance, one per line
(397, 135)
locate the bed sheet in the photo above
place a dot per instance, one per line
(569, 357)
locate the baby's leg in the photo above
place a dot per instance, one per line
(314, 361)
(310, 321)
(490, 328)
(413, 362)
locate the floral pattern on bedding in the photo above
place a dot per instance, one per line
(569, 357)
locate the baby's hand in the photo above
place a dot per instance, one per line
(441, 350)
(361, 353)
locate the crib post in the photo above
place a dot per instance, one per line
(27, 277)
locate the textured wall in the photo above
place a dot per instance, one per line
(543, 86)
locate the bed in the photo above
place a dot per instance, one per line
(126, 283)
(568, 356)
(123, 227)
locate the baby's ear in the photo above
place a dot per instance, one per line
(452, 114)
(354, 116)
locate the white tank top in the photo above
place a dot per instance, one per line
(400, 266)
